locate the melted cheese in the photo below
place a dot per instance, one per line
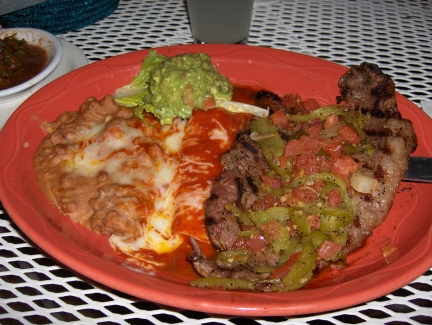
(155, 231)
(170, 170)
(220, 134)
(144, 157)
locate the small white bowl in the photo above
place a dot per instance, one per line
(41, 38)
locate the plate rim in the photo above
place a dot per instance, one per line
(276, 307)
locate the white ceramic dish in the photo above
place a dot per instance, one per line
(71, 59)
(41, 38)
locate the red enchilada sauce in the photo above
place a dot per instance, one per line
(19, 61)
(201, 146)
(107, 201)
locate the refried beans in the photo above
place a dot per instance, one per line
(140, 183)
(92, 199)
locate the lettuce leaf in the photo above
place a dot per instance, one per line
(133, 94)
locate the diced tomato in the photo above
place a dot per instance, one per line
(349, 134)
(209, 103)
(290, 101)
(311, 104)
(327, 250)
(305, 144)
(294, 102)
(272, 230)
(314, 128)
(267, 202)
(308, 162)
(314, 221)
(283, 160)
(293, 148)
(333, 149)
(280, 119)
(334, 198)
(282, 271)
(271, 181)
(256, 243)
(344, 166)
(304, 194)
(331, 120)
(300, 109)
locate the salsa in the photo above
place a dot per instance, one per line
(288, 201)
(19, 61)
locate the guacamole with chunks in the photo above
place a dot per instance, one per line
(169, 87)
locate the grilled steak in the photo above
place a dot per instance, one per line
(364, 89)
(368, 89)
(243, 164)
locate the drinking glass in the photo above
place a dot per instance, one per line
(220, 21)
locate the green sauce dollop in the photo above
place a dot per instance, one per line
(174, 86)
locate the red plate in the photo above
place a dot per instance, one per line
(367, 276)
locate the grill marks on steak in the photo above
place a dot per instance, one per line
(222, 226)
(242, 164)
(367, 88)
(364, 88)
(392, 127)
(387, 166)
(266, 99)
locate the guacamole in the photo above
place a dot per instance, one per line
(173, 86)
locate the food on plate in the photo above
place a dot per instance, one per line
(170, 87)
(390, 253)
(19, 61)
(174, 86)
(306, 186)
(141, 183)
(245, 199)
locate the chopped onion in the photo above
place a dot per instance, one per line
(332, 131)
(255, 136)
(363, 183)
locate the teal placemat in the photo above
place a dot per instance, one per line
(60, 16)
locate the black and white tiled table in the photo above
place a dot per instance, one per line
(397, 35)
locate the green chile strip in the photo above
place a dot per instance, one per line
(233, 257)
(239, 214)
(227, 283)
(302, 268)
(329, 177)
(273, 146)
(323, 112)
